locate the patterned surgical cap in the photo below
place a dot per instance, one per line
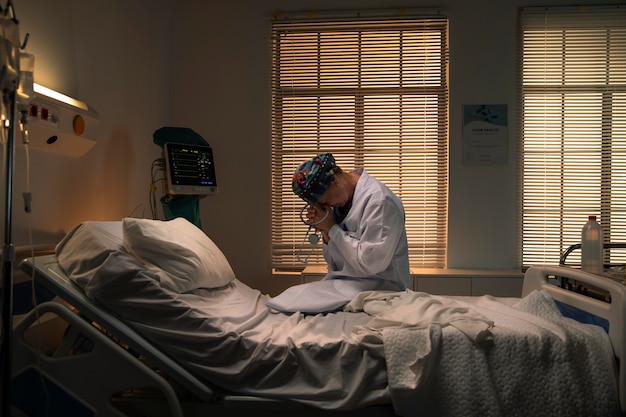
(313, 177)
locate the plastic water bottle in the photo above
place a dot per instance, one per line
(592, 247)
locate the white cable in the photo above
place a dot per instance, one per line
(27, 208)
(3, 142)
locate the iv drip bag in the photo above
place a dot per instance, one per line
(26, 86)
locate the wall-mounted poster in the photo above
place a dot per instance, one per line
(485, 134)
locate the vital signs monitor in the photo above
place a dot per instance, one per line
(189, 169)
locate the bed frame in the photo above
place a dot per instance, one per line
(588, 298)
(130, 377)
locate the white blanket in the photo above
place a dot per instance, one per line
(445, 358)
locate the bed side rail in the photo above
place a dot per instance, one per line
(48, 275)
(607, 247)
(89, 378)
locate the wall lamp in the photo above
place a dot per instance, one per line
(61, 124)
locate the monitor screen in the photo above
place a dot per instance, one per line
(189, 169)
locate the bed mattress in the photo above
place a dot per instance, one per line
(424, 354)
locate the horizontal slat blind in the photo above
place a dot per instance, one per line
(574, 127)
(374, 93)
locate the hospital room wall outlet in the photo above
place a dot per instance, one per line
(65, 125)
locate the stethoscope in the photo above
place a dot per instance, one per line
(311, 236)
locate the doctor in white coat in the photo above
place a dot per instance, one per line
(365, 237)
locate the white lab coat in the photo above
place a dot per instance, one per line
(371, 241)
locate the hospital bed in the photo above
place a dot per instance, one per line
(128, 346)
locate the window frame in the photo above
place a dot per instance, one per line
(573, 118)
(428, 245)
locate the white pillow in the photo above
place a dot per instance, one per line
(184, 256)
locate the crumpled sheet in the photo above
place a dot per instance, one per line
(537, 363)
(410, 325)
(452, 358)
(418, 310)
(227, 336)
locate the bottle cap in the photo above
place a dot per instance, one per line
(592, 217)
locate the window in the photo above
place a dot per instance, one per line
(573, 88)
(374, 93)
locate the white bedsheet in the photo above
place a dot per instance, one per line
(489, 358)
(227, 336)
(537, 364)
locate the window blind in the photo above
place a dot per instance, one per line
(374, 93)
(573, 91)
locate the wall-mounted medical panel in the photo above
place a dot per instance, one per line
(61, 124)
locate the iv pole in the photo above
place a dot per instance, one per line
(8, 259)
(9, 77)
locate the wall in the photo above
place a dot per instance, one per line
(203, 64)
(231, 73)
(114, 56)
